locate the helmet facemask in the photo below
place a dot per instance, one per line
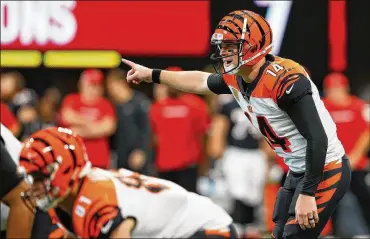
(44, 193)
(220, 64)
(219, 42)
(41, 193)
(53, 162)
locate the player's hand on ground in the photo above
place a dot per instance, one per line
(306, 211)
(138, 73)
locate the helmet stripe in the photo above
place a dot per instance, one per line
(30, 161)
(237, 16)
(226, 28)
(66, 143)
(40, 154)
(263, 40)
(268, 26)
(46, 144)
(232, 22)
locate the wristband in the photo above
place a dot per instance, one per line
(155, 75)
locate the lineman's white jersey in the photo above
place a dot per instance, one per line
(161, 208)
(14, 148)
(12, 144)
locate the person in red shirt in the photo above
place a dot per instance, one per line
(8, 119)
(201, 105)
(351, 116)
(91, 116)
(178, 126)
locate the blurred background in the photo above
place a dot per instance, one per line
(61, 65)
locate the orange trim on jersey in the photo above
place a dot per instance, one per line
(320, 210)
(53, 216)
(292, 79)
(285, 79)
(95, 224)
(264, 86)
(103, 201)
(57, 233)
(324, 197)
(107, 210)
(230, 80)
(218, 232)
(330, 181)
(292, 221)
(332, 165)
(270, 86)
(326, 230)
(104, 219)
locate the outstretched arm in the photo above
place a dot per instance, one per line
(188, 81)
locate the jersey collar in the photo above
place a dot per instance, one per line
(247, 88)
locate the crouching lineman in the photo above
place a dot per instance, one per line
(12, 206)
(107, 204)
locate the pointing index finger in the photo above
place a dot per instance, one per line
(127, 62)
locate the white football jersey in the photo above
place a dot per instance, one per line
(14, 148)
(262, 108)
(12, 144)
(161, 208)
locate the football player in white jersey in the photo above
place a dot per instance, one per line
(112, 204)
(11, 186)
(279, 99)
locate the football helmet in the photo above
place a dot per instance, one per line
(250, 32)
(53, 161)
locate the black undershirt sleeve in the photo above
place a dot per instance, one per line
(8, 172)
(302, 110)
(217, 84)
(306, 118)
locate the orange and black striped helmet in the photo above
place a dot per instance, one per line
(56, 157)
(250, 31)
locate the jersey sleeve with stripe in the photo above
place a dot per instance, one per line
(291, 89)
(96, 212)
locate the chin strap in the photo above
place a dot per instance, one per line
(257, 55)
